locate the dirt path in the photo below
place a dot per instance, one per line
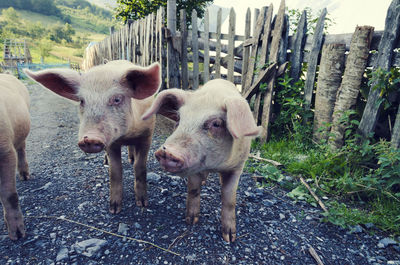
(67, 218)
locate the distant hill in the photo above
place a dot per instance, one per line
(106, 4)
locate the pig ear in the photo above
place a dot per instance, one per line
(64, 82)
(240, 121)
(167, 103)
(143, 82)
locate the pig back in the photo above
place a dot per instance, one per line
(14, 110)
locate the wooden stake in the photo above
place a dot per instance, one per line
(314, 195)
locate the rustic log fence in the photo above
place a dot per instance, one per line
(191, 57)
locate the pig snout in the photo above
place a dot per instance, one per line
(170, 159)
(91, 144)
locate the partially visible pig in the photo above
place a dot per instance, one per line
(214, 128)
(112, 98)
(14, 128)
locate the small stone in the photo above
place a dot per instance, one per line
(369, 225)
(153, 177)
(164, 237)
(137, 226)
(393, 262)
(89, 247)
(174, 183)
(191, 257)
(62, 254)
(355, 230)
(308, 218)
(282, 216)
(123, 229)
(107, 252)
(247, 250)
(386, 242)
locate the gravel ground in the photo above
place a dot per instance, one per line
(67, 218)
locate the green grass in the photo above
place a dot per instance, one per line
(354, 192)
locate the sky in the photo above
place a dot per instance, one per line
(347, 14)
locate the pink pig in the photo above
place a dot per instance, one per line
(112, 99)
(214, 128)
(14, 128)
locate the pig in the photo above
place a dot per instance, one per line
(112, 98)
(14, 128)
(214, 129)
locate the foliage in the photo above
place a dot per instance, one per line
(312, 19)
(136, 9)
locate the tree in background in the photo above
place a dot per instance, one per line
(45, 46)
(136, 9)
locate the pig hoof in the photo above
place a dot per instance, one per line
(115, 207)
(192, 219)
(25, 176)
(142, 202)
(18, 233)
(229, 236)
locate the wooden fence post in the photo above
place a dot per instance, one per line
(385, 53)
(313, 59)
(218, 48)
(172, 54)
(329, 79)
(184, 53)
(195, 50)
(246, 50)
(231, 43)
(206, 39)
(273, 58)
(298, 48)
(355, 67)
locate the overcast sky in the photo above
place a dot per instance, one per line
(347, 14)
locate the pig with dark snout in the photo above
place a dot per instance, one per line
(14, 128)
(214, 128)
(112, 98)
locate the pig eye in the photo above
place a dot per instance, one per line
(216, 123)
(116, 100)
(82, 103)
(213, 124)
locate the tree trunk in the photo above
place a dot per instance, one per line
(329, 79)
(349, 89)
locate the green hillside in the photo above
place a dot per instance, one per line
(64, 36)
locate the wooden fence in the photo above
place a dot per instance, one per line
(247, 60)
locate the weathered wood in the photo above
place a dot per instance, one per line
(329, 79)
(184, 53)
(262, 61)
(195, 50)
(395, 141)
(385, 54)
(273, 57)
(231, 43)
(263, 76)
(349, 89)
(246, 50)
(162, 58)
(218, 47)
(283, 45)
(313, 59)
(206, 47)
(256, 14)
(172, 55)
(298, 48)
(254, 48)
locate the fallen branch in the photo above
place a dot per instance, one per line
(275, 163)
(314, 195)
(179, 238)
(103, 231)
(315, 256)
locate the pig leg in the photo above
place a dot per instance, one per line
(23, 167)
(193, 197)
(140, 151)
(9, 197)
(229, 183)
(115, 172)
(131, 154)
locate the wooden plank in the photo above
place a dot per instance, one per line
(395, 141)
(263, 60)
(313, 59)
(151, 32)
(195, 50)
(161, 55)
(385, 54)
(254, 48)
(298, 48)
(329, 79)
(273, 57)
(184, 54)
(172, 55)
(206, 62)
(246, 50)
(349, 89)
(218, 47)
(283, 45)
(231, 43)
(262, 77)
